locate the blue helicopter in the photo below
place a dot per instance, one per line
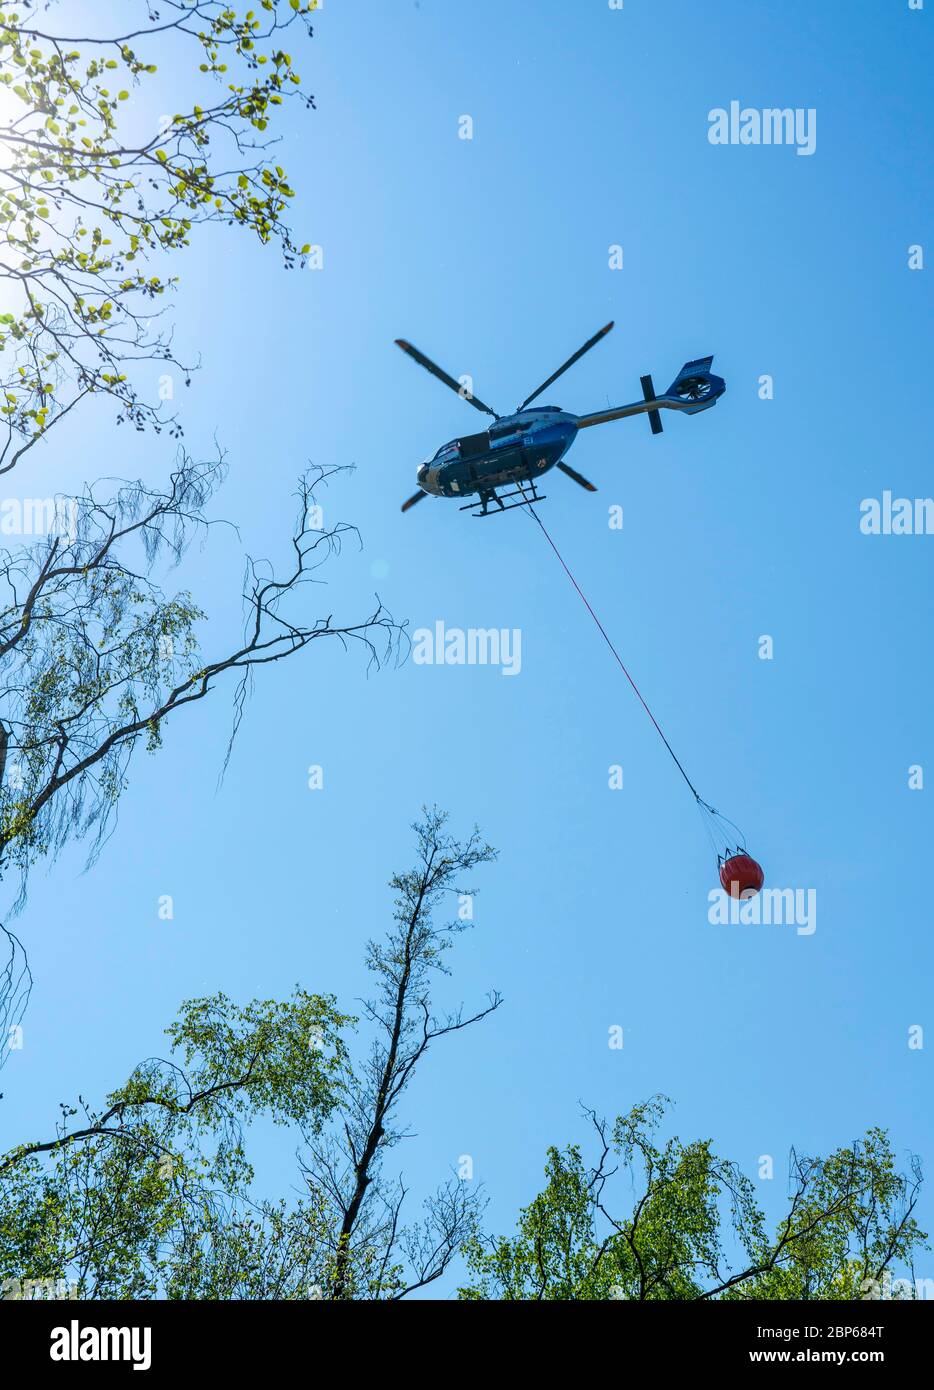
(518, 449)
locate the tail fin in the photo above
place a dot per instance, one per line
(697, 385)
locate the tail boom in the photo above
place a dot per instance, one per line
(694, 388)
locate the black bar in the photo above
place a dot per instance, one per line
(227, 1338)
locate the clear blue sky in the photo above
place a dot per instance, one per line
(492, 256)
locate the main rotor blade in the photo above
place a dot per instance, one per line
(578, 477)
(416, 497)
(591, 342)
(435, 370)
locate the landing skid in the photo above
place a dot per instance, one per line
(524, 492)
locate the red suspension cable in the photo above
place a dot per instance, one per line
(619, 659)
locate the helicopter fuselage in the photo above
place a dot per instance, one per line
(517, 448)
